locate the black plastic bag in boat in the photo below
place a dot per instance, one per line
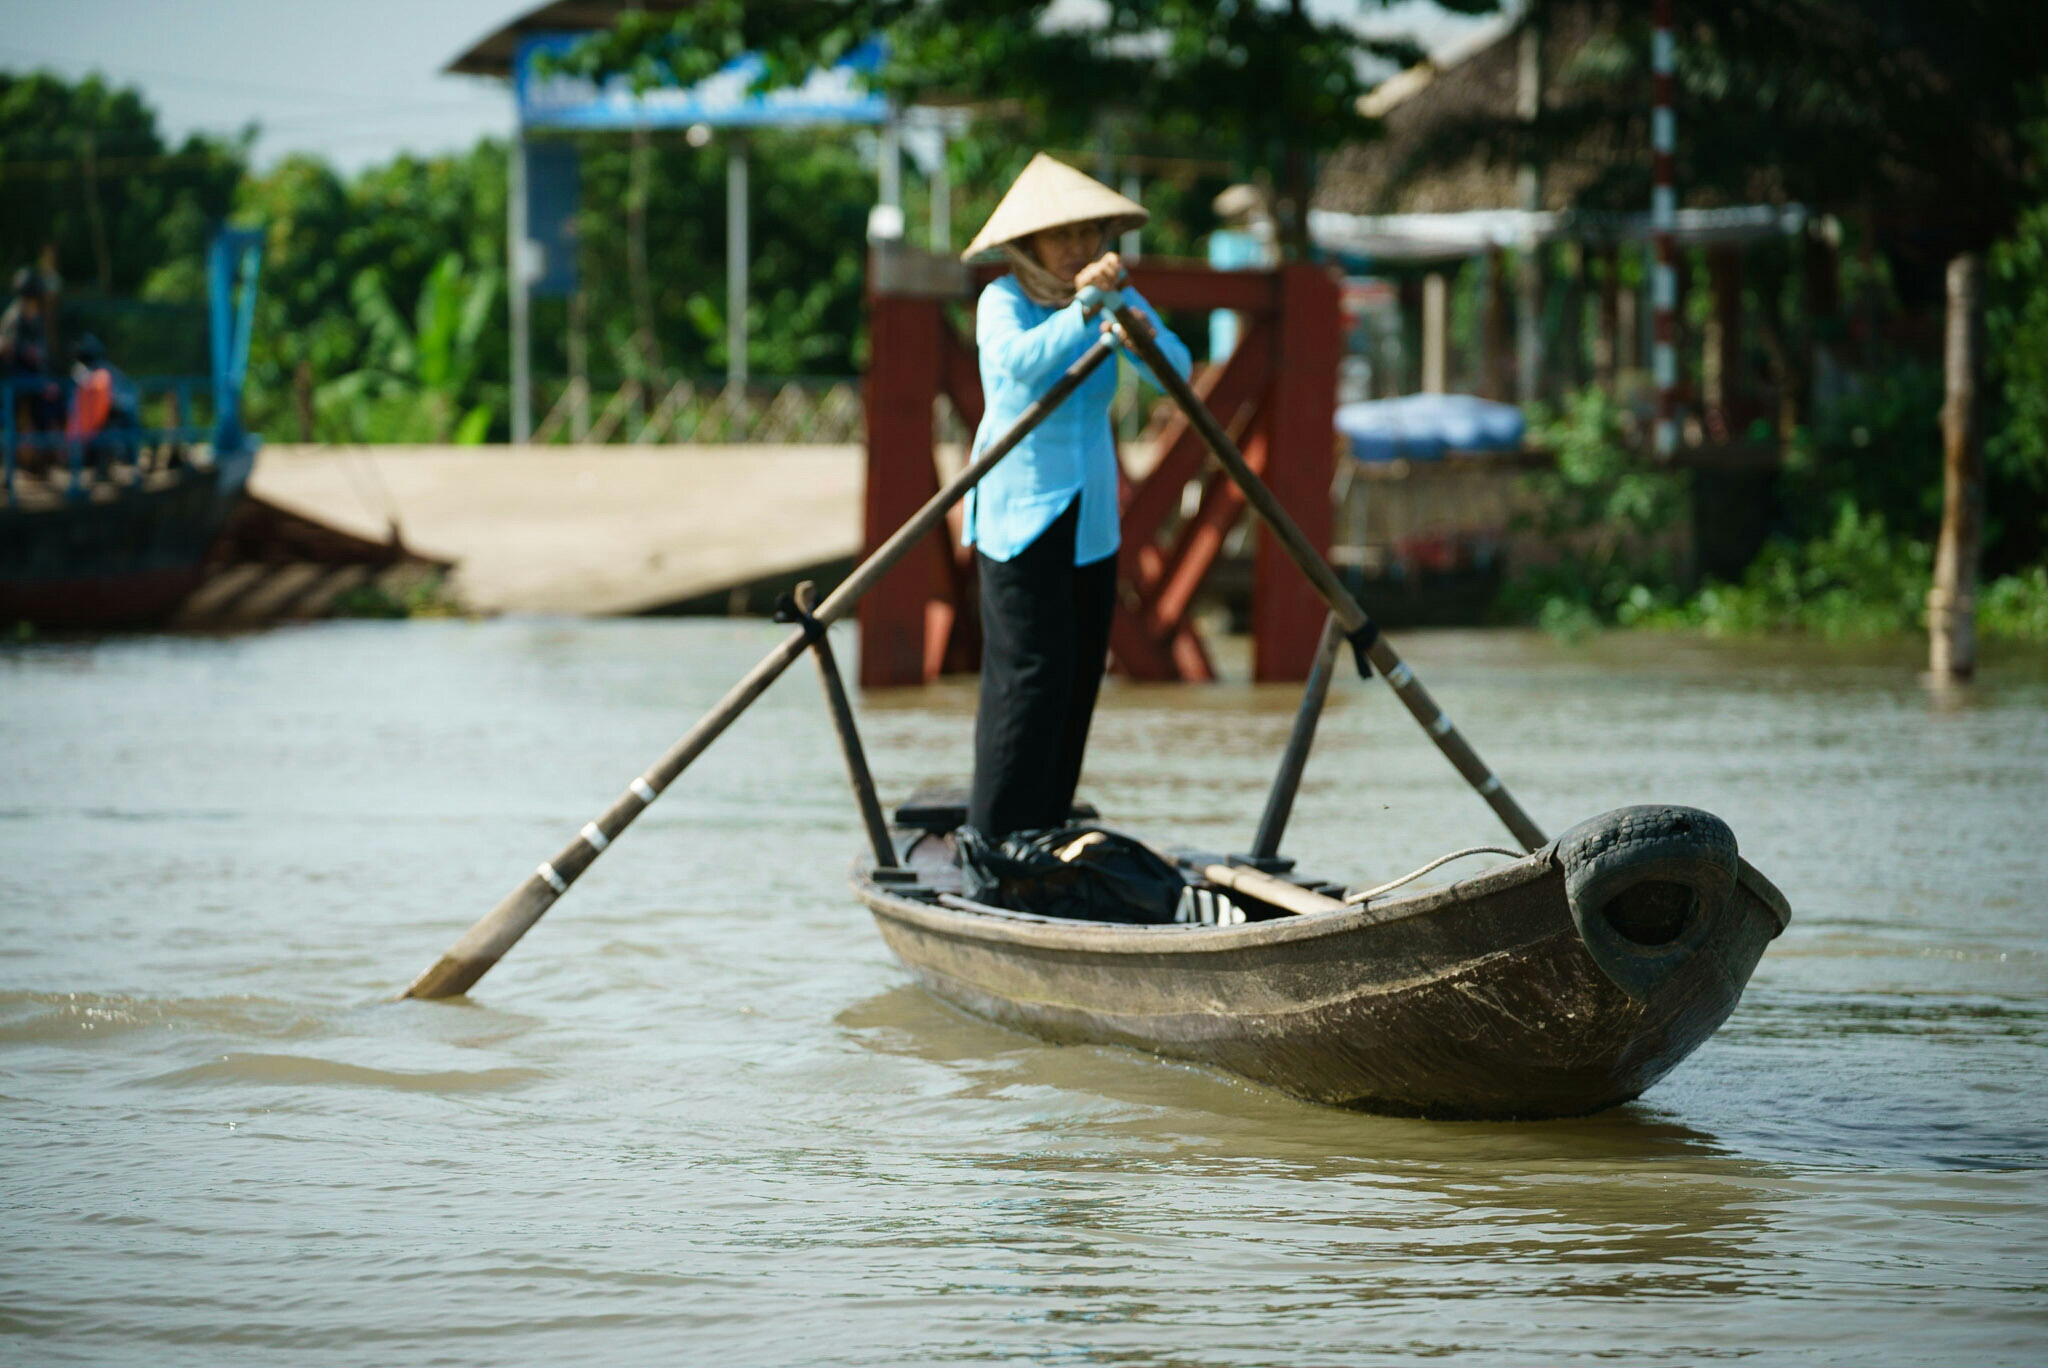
(1083, 872)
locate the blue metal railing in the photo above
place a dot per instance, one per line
(234, 260)
(133, 447)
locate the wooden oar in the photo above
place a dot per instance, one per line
(1359, 629)
(485, 943)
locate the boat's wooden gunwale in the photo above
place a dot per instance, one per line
(1053, 933)
(1048, 933)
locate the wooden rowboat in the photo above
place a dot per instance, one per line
(1562, 983)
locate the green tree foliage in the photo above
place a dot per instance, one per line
(420, 380)
(1264, 84)
(324, 365)
(2017, 337)
(1855, 581)
(1904, 111)
(84, 170)
(808, 206)
(1606, 510)
(402, 222)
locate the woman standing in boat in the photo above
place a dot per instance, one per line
(1044, 521)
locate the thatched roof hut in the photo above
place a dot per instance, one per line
(1446, 178)
(1444, 150)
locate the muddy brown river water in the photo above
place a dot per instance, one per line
(699, 1116)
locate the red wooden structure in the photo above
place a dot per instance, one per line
(1276, 394)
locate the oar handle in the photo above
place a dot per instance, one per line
(1358, 627)
(485, 943)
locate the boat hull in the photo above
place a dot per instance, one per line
(125, 561)
(1477, 1000)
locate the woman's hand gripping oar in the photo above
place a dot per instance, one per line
(485, 943)
(1366, 642)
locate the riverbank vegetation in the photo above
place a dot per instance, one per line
(1858, 497)
(383, 309)
(1851, 555)
(423, 595)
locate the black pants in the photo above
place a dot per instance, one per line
(1044, 641)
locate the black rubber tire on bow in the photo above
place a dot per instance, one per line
(1642, 850)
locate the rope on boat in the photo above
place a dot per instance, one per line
(1355, 899)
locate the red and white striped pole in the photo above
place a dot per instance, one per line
(1663, 219)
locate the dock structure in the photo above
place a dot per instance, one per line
(586, 530)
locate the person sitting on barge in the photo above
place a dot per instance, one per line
(105, 420)
(25, 367)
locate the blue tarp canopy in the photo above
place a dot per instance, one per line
(557, 99)
(1422, 427)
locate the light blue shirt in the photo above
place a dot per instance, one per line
(1024, 348)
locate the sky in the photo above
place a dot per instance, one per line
(352, 81)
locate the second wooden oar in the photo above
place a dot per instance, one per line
(1358, 627)
(485, 943)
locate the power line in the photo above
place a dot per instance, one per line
(108, 166)
(95, 67)
(291, 123)
(64, 167)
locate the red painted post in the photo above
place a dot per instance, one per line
(902, 381)
(1300, 421)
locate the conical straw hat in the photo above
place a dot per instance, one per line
(1048, 194)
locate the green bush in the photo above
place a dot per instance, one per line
(426, 596)
(420, 380)
(1602, 507)
(2015, 607)
(1857, 582)
(2016, 338)
(1876, 448)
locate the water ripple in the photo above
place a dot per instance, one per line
(312, 1071)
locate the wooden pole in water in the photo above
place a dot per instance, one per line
(1359, 629)
(1280, 802)
(1952, 601)
(485, 943)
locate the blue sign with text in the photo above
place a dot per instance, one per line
(559, 99)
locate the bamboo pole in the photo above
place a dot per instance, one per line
(485, 943)
(1952, 601)
(1358, 627)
